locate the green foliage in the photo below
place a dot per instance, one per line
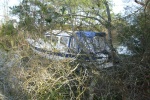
(8, 29)
(135, 34)
(43, 15)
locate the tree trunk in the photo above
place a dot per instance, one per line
(109, 32)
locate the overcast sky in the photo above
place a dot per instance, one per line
(119, 5)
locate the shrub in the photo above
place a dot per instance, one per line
(8, 29)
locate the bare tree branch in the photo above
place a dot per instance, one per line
(138, 2)
(145, 5)
(94, 18)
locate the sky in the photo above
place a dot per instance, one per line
(118, 7)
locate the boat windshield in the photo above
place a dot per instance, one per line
(93, 45)
(99, 43)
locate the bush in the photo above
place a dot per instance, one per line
(136, 33)
(8, 29)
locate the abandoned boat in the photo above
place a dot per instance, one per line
(87, 45)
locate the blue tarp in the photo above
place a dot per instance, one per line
(88, 34)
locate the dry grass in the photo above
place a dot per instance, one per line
(29, 76)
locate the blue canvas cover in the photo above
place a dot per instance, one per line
(88, 34)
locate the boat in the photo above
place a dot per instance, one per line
(86, 45)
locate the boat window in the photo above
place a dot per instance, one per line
(95, 44)
(52, 38)
(88, 43)
(73, 43)
(99, 43)
(64, 40)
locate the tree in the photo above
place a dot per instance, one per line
(75, 14)
(32, 14)
(135, 33)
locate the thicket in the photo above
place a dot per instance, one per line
(133, 32)
(26, 75)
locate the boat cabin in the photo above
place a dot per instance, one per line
(85, 42)
(79, 44)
